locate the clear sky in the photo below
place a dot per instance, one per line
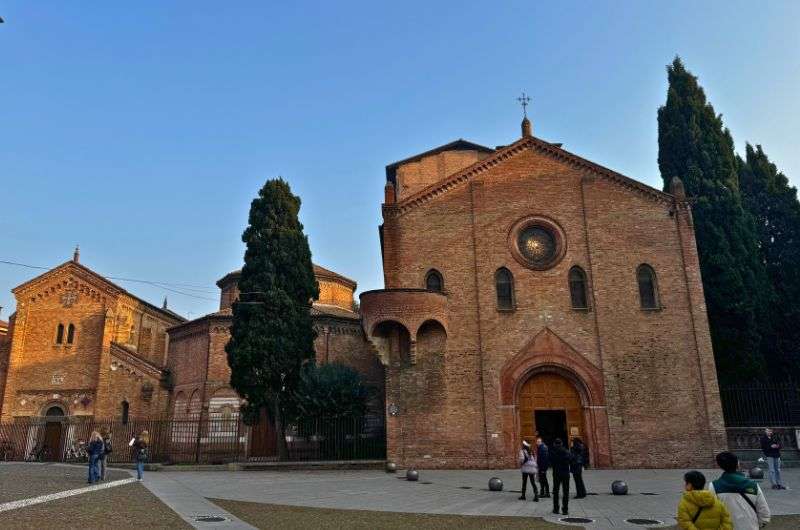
(143, 130)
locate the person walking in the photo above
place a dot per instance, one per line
(543, 464)
(771, 447)
(580, 459)
(560, 460)
(141, 449)
(699, 509)
(95, 451)
(106, 435)
(527, 465)
(743, 497)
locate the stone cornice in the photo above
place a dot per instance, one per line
(465, 175)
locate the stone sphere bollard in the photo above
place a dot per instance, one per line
(391, 467)
(619, 487)
(412, 475)
(756, 473)
(495, 484)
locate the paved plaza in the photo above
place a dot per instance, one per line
(219, 499)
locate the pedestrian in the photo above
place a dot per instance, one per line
(141, 448)
(743, 497)
(700, 509)
(95, 450)
(580, 459)
(527, 465)
(106, 451)
(543, 463)
(771, 447)
(560, 460)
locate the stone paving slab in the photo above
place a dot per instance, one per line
(378, 491)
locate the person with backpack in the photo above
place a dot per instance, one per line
(699, 509)
(95, 450)
(106, 451)
(527, 465)
(580, 459)
(743, 497)
(543, 464)
(141, 449)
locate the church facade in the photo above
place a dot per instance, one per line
(530, 291)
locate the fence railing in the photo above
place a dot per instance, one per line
(761, 405)
(193, 439)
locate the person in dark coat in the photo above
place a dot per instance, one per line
(580, 459)
(543, 461)
(141, 452)
(771, 447)
(95, 451)
(560, 460)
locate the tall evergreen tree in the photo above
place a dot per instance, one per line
(773, 203)
(694, 145)
(272, 334)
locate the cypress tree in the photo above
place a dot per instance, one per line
(272, 334)
(694, 145)
(773, 203)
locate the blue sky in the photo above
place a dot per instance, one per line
(142, 131)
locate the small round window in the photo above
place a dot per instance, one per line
(537, 243)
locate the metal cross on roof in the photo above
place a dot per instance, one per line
(524, 100)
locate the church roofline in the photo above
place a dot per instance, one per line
(501, 155)
(90, 272)
(455, 145)
(319, 272)
(126, 354)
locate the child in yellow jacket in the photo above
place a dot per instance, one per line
(699, 508)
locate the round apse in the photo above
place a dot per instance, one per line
(537, 243)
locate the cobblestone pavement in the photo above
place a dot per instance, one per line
(24, 480)
(654, 494)
(124, 507)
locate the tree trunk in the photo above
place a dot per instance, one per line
(283, 451)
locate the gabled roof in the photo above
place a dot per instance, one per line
(132, 356)
(529, 142)
(98, 277)
(456, 145)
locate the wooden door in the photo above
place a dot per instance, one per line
(552, 392)
(52, 440)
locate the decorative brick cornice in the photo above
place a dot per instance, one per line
(128, 357)
(465, 175)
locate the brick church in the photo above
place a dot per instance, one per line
(527, 290)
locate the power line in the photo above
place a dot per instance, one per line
(168, 286)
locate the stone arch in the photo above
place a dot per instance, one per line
(431, 338)
(195, 406)
(548, 353)
(393, 342)
(180, 405)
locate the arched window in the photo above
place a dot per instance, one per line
(577, 288)
(60, 334)
(125, 410)
(504, 282)
(70, 333)
(434, 281)
(648, 288)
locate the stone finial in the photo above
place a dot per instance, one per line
(76, 256)
(164, 305)
(527, 128)
(677, 189)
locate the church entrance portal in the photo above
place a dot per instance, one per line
(550, 407)
(52, 433)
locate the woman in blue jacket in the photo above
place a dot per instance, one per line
(96, 450)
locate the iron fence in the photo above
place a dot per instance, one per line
(193, 439)
(761, 405)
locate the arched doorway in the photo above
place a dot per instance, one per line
(550, 406)
(51, 445)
